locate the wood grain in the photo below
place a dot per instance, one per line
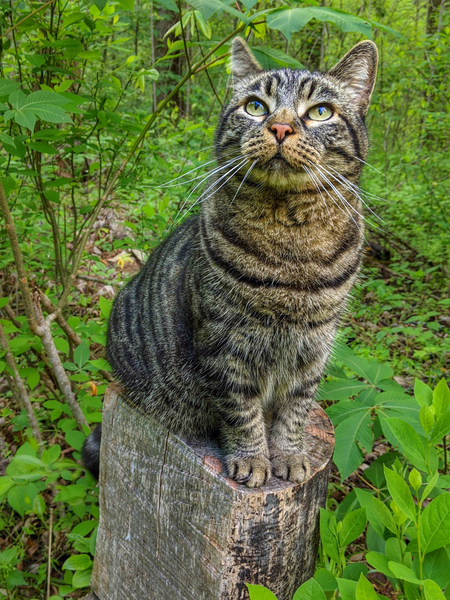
(174, 527)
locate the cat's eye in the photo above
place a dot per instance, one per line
(256, 108)
(321, 112)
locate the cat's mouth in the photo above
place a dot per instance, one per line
(278, 158)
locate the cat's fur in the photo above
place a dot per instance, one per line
(233, 317)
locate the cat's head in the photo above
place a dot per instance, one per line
(295, 126)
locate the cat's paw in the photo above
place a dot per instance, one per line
(293, 467)
(254, 471)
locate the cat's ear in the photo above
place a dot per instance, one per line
(243, 63)
(358, 70)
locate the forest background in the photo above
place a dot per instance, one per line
(104, 106)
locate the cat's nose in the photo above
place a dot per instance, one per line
(281, 130)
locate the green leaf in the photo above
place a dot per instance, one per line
(100, 4)
(347, 588)
(347, 456)
(75, 439)
(310, 590)
(289, 21)
(415, 479)
(435, 524)
(327, 534)
(21, 497)
(426, 419)
(42, 147)
(352, 526)
(422, 393)
(400, 433)
(400, 493)
(430, 486)
(259, 592)
(81, 579)
(436, 566)
(272, 58)
(353, 571)
(105, 306)
(207, 7)
(441, 428)
(7, 86)
(81, 354)
(441, 397)
(380, 563)
(402, 572)
(364, 590)
(377, 512)
(433, 591)
(340, 389)
(347, 22)
(78, 562)
(326, 580)
(5, 484)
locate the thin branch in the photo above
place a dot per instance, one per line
(21, 392)
(18, 259)
(53, 356)
(26, 18)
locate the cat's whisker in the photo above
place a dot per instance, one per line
(205, 178)
(350, 187)
(313, 179)
(360, 191)
(201, 198)
(372, 167)
(344, 202)
(172, 184)
(245, 177)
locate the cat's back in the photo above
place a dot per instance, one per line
(149, 329)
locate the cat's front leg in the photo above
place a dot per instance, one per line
(244, 439)
(286, 441)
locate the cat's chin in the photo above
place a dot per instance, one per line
(280, 176)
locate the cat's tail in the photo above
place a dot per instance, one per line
(90, 453)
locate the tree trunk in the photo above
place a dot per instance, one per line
(174, 527)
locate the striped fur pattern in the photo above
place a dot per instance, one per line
(229, 326)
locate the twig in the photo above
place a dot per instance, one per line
(21, 395)
(26, 18)
(49, 560)
(44, 327)
(48, 305)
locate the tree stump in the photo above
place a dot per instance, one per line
(174, 527)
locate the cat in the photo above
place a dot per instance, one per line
(233, 317)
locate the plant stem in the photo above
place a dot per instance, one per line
(26, 18)
(21, 395)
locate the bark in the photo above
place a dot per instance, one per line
(173, 526)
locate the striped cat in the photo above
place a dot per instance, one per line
(229, 326)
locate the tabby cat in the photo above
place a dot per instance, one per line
(230, 324)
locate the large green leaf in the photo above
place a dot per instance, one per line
(364, 590)
(344, 409)
(310, 590)
(402, 572)
(345, 21)
(433, 591)
(347, 588)
(401, 494)
(272, 58)
(347, 455)
(435, 524)
(400, 433)
(353, 525)
(378, 514)
(289, 21)
(340, 389)
(327, 534)
(436, 566)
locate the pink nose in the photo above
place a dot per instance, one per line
(281, 130)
